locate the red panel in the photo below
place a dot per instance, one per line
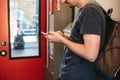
(20, 69)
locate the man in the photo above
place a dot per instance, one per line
(82, 47)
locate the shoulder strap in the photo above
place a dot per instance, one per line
(106, 17)
(93, 4)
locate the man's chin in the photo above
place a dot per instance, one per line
(71, 6)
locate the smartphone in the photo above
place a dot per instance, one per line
(44, 33)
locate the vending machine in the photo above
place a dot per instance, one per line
(22, 47)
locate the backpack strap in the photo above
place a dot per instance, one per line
(94, 4)
(105, 17)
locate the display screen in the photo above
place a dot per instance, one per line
(24, 28)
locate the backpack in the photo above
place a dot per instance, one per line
(108, 61)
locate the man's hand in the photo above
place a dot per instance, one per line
(54, 36)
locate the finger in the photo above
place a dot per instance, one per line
(59, 33)
(51, 32)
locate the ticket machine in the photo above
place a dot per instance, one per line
(22, 47)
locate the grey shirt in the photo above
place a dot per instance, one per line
(73, 67)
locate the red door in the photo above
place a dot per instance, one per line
(20, 69)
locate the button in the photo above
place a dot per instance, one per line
(3, 43)
(3, 53)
